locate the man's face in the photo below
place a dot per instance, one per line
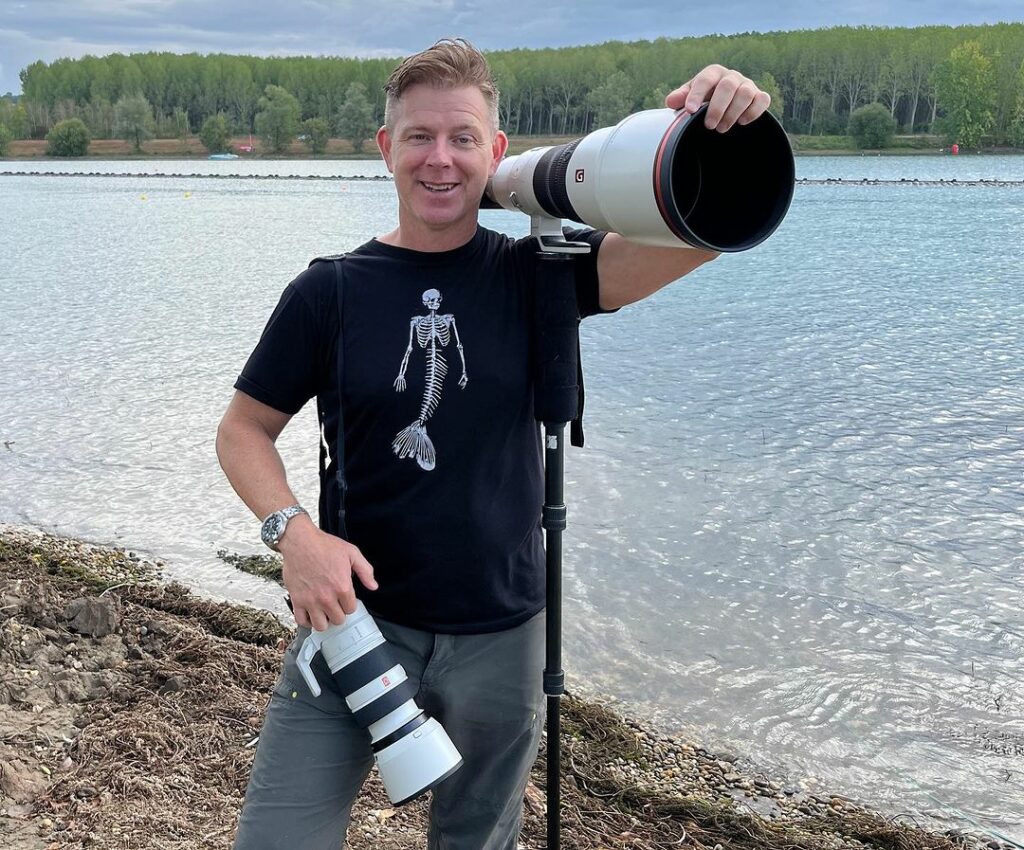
(441, 151)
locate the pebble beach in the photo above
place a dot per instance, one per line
(130, 711)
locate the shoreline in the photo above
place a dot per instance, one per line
(34, 150)
(130, 708)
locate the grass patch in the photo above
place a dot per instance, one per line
(266, 566)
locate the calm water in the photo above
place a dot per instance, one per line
(796, 529)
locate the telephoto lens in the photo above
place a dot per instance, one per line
(412, 750)
(659, 177)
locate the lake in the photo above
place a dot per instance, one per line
(796, 531)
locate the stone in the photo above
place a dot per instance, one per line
(91, 615)
(173, 685)
(20, 781)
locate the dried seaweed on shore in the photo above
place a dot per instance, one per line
(128, 709)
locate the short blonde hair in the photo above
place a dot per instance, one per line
(448, 63)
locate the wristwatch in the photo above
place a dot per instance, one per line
(274, 525)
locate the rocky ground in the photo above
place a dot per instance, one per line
(129, 711)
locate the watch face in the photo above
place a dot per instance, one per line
(273, 528)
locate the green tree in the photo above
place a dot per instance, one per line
(277, 121)
(316, 131)
(656, 99)
(100, 117)
(5, 139)
(612, 100)
(214, 134)
(182, 129)
(965, 90)
(767, 83)
(133, 120)
(872, 126)
(14, 116)
(68, 138)
(1017, 120)
(355, 118)
(822, 75)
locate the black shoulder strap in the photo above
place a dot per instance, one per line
(339, 449)
(576, 426)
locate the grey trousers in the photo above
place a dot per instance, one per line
(312, 757)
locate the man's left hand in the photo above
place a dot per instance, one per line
(731, 98)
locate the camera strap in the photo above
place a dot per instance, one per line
(576, 426)
(339, 449)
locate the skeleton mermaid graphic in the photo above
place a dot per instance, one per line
(431, 332)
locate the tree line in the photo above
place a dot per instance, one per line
(967, 82)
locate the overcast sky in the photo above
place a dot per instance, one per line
(49, 29)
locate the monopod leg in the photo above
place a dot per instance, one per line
(554, 522)
(556, 402)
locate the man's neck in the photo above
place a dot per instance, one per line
(431, 241)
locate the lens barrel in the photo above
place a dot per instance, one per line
(412, 750)
(660, 177)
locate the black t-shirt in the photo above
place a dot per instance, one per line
(443, 456)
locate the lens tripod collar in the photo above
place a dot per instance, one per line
(307, 652)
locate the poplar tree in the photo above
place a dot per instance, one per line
(277, 121)
(355, 118)
(316, 132)
(1017, 121)
(965, 91)
(133, 120)
(612, 100)
(214, 134)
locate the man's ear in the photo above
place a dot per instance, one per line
(384, 146)
(498, 147)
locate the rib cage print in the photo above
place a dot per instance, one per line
(431, 332)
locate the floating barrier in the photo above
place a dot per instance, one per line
(909, 181)
(804, 181)
(192, 176)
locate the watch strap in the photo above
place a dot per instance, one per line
(292, 510)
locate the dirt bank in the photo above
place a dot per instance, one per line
(129, 710)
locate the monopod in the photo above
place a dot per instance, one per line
(556, 402)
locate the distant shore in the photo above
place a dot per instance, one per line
(131, 707)
(192, 149)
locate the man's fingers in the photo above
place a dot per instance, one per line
(361, 567)
(702, 85)
(731, 97)
(337, 612)
(301, 616)
(676, 99)
(317, 620)
(756, 109)
(723, 95)
(741, 101)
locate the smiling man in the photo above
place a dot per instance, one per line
(434, 519)
(439, 185)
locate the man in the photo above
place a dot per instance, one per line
(443, 472)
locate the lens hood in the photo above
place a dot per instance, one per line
(660, 177)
